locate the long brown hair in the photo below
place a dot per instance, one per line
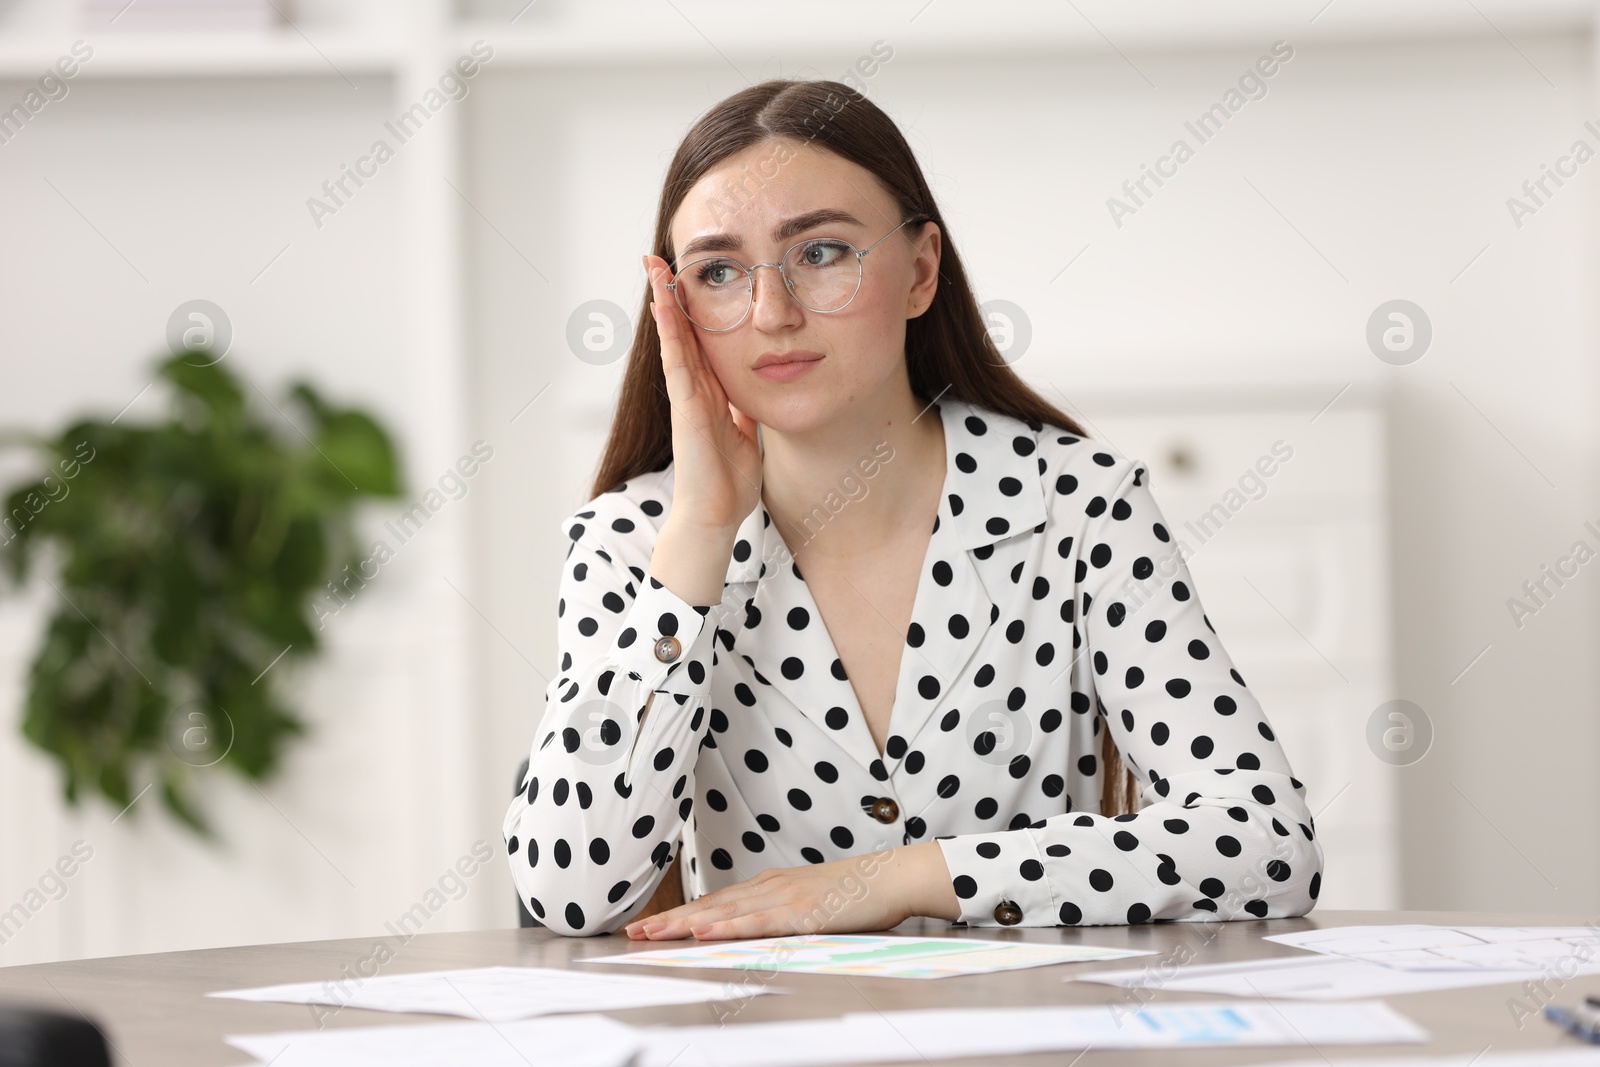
(948, 349)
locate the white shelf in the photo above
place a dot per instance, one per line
(207, 55)
(695, 31)
(698, 31)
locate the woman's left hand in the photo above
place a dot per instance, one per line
(873, 891)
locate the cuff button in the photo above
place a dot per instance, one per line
(1006, 913)
(668, 648)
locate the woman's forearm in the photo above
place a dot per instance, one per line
(691, 560)
(919, 875)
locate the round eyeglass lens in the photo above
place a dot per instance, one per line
(714, 292)
(823, 274)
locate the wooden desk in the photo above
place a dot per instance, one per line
(154, 1009)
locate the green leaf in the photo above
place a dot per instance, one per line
(207, 382)
(358, 449)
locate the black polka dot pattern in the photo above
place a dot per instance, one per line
(1053, 603)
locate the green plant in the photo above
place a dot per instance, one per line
(184, 556)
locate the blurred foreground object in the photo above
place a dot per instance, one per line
(34, 1037)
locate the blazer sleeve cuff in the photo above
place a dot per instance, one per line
(660, 635)
(999, 878)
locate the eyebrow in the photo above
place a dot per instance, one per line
(727, 242)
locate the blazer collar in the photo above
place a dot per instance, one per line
(992, 484)
(992, 491)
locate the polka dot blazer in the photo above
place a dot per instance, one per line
(1052, 604)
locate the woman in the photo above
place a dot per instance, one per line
(854, 611)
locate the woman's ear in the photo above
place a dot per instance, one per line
(925, 269)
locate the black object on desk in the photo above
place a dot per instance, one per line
(35, 1037)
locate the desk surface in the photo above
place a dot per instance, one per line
(154, 1009)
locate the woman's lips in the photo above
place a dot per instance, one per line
(788, 370)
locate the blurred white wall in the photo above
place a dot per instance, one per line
(1376, 167)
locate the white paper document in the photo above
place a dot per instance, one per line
(860, 1037)
(1453, 948)
(568, 1041)
(1298, 978)
(1575, 1057)
(949, 1033)
(1381, 961)
(872, 955)
(498, 994)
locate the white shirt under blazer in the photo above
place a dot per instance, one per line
(1052, 603)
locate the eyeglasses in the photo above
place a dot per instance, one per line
(823, 274)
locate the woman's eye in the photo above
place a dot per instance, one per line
(715, 274)
(821, 253)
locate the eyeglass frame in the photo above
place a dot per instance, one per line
(750, 275)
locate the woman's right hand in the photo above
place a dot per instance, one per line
(716, 454)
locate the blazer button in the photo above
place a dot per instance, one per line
(1006, 913)
(668, 648)
(884, 809)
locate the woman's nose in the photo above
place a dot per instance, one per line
(774, 307)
